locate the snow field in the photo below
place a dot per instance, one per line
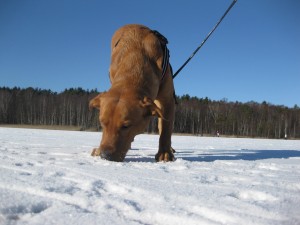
(49, 177)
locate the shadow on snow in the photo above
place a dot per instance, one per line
(195, 156)
(250, 155)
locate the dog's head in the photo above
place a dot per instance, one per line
(121, 118)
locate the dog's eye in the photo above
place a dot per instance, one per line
(125, 126)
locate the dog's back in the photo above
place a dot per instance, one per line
(137, 56)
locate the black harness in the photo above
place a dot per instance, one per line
(165, 62)
(163, 42)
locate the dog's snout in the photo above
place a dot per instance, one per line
(106, 154)
(109, 155)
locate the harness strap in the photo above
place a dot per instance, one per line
(163, 41)
(165, 62)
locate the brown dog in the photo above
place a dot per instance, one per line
(141, 87)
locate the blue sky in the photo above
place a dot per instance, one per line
(254, 55)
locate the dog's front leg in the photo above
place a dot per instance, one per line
(165, 127)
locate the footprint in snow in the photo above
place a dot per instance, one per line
(42, 153)
(14, 212)
(25, 174)
(30, 164)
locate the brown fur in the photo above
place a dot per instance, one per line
(137, 92)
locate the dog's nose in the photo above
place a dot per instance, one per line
(105, 154)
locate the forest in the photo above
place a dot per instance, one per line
(197, 116)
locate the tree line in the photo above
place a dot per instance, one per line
(43, 107)
(193, 115)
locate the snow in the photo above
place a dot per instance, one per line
(49, 177)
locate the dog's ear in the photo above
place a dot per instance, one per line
(95, 102)
(150, 108)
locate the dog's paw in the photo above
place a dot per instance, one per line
(164, 156)
(95, 152)
(173, 150)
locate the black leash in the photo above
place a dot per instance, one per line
(197, 49)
